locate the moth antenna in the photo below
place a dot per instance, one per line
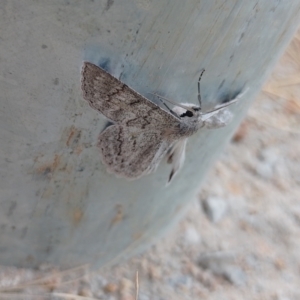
(236, 99)
(199, 95)
(173, 102)
(221, 106)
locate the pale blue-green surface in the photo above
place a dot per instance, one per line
(57, 202)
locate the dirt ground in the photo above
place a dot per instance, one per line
(240, 238)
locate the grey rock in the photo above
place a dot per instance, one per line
(180, 280)
(235, 275)
(221, 263)
(216, 262)
(215, 208)
(191, 236)
(266, 163)
(264, 169)
(270, 155)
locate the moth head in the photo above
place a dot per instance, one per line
(187, 111)
(193, 112)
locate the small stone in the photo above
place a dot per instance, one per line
(154, 273)
(84, 288)
(267, 161)
(216, 262)
(110, 288)
(221, 263)
(235, 275)
(126, 286)
(180, 281)
(85, 292)
(279, 264)
(264, 170)
(215, 208)
(192, 236)
(270, 155)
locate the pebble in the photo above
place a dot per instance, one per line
(154, 273)
(85, 292)
(264, 169)
(216, 261)
(215, 208)
(221, 263)
(180, 281)
(267, 160)
(110, 288)
(192, 236)
(235, 275)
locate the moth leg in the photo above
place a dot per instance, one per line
(176, 157)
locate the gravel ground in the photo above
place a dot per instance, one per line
(240, 238)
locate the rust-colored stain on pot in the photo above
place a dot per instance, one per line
(47, 168)
(137, 235)
(77, 215)
(73, 136)
(118, 216)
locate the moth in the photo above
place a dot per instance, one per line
(143, 132)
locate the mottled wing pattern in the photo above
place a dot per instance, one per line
(120, 103)
(130, 152)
